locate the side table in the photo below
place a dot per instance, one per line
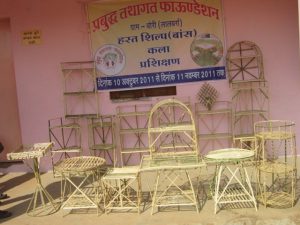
(86, 169)
(172, 173)
(41, 203)
(238, 188)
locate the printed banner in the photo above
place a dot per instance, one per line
(153, 43)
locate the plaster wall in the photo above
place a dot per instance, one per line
(272, 25)
(10, 133)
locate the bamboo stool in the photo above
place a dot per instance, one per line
(122, 189)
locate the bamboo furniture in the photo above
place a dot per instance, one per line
(247, 142)
(122, 185)
(250, 104)
(41, 203)
(133, 122)
(276, 143)
(171, 129)
(237, 189)
(174, 185)
(214, 126)
(122, 189)
(244, 62)
(173, 154)
(250, 99)
(87, 170)
(80, 89)
(102, 138)
(66, 134)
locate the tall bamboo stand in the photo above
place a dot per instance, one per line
(276, 143)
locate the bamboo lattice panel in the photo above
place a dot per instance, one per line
(172, 129)
(244, 62)
(133, 123)
(102, 138)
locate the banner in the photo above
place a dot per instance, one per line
(139, 44)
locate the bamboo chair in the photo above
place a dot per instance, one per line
(102, 138)
(122, 185)
(66, 134)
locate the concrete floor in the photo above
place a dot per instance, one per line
(19, 186)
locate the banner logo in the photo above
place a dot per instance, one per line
(110, 60)
(206, 50)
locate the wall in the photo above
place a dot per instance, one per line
(272, 25)
(10, 131)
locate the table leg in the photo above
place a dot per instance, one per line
(41, 203)
(174, 194)
(78, 198)
(242, 193)
(251, 194)
(217, 186)
(155, 192)
(119, 194)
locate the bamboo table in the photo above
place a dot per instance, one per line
(122, 189)
(173, 176)
(85, 194)
(232, 160)
(41, 203)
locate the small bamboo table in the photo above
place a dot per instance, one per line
(41, 203)
(83, 168)
(122, 189)
(173, 172)
(232, 160)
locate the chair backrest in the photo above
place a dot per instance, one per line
(171, 129)
(66, 136)
(249, 143)
(133, 122)
(102, 138)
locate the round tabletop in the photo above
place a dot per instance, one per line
(80, 164)
(228, 154)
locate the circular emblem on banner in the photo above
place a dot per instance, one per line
(110, 59)
(206, 50)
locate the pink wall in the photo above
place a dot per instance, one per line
(10, 131)
(272, 25)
